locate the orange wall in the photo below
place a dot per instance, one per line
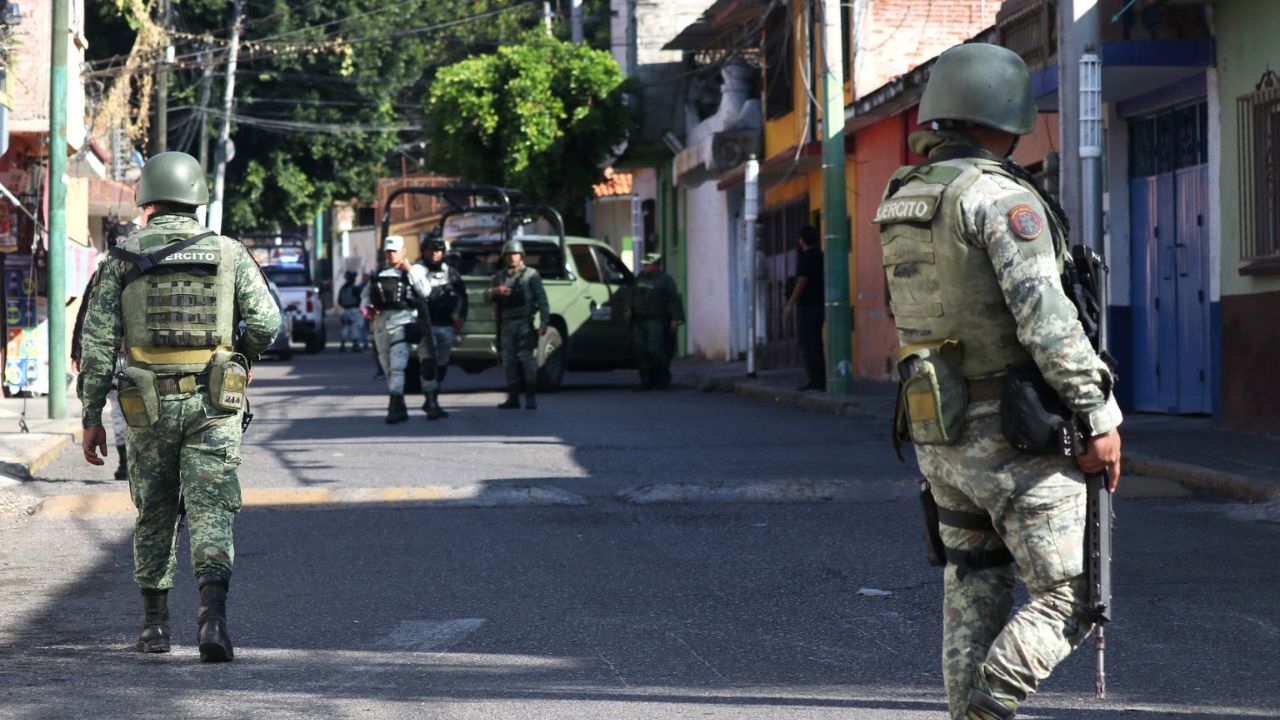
(880, 150)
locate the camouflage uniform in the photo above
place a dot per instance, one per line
(1004, 302)
(191, 451)
(517, 334)
(653, 304)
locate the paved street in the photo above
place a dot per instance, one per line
(611, 555)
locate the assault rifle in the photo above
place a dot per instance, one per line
(1085, 282)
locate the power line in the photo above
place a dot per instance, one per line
(300, 126)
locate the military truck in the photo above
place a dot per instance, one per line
(585, 280)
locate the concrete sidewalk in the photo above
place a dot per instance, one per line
(23, 453)
(1190, 450)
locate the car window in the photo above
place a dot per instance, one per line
(615, 273)
(284, 276)
(483, 261)
(586, 263)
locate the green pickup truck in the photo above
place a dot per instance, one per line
(586, 284)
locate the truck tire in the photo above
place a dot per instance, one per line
(553, 350)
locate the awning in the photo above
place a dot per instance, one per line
(710, 29)
(783, 166)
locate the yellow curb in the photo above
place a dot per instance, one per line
(267, 497)
(104, 503)
(120, 503)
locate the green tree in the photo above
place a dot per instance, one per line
(542, 117)
(328, 94)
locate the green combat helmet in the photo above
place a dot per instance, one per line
(513, 247)
(173, 177)
(983, 84)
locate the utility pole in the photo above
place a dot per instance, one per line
(206, 87)
(224, 137)
(57, 237)
(835, 221)
(750, 215)
(547, 15)
(162, 86)
(575, 18)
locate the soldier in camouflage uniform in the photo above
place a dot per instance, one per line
(973, 252)
(517, 293)
(171, 298)
(655, 313)
(389, 296)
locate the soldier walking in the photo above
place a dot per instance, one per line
(517, 293)
(170, 297)
(354, 329)
(390, 297)
(442, 312)
(655, 312)
(964, 233)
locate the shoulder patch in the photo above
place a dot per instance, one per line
(1025, 222)
(918, 208)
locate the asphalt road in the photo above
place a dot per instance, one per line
(663, 555)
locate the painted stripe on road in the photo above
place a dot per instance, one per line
(783, 491)
(429, 635)
(472, 496)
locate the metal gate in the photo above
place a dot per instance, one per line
(1168, 197)
(781, 228)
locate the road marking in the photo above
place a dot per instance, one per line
(463, 496)
(430, 635)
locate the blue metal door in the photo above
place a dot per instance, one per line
(1170, 276)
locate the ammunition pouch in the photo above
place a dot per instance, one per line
(932, 394)
(1032, 416)
(139, 399)
(228, 377)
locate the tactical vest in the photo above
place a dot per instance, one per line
(348, 297)
(389, 290)
(940, 287)
(183, 310)
(442, 299)
(647, 297)
(515, 305)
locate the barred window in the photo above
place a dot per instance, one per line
(1258, 113)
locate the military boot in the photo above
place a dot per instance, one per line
(434, 411)
(985, 707)
(530, 401)
(512, 403)
(211, 633)
(154, 637)
(122, 470)
(396, 411)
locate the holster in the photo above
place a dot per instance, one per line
(139, 400)
(1032, 416)
(934, 549)
(228, 377)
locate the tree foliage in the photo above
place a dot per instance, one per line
(319, 88)
(543, 117)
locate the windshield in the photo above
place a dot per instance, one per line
(288, 276)
(483, 261)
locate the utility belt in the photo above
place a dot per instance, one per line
(934, 396)
(140, 389)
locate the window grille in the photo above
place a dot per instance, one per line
(1258, 114)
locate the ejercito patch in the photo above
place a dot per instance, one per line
(1025, 223)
